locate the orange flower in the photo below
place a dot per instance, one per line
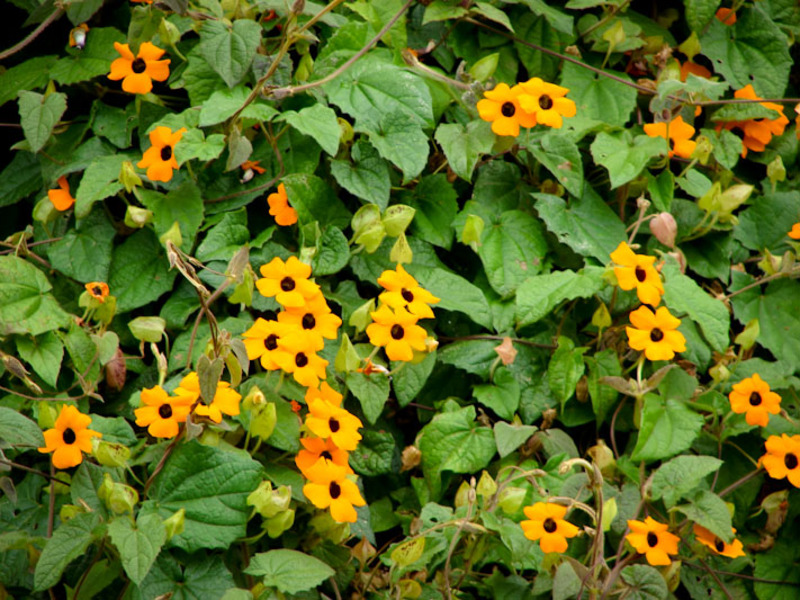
(330, 488)
(501, 107)
(783, 458)
(726, 16)
(315, 318)
(546, 101)
(547, 525)
(655, 333)
(316, 450)
(77, 36)
(159, 158)
(756, 133)
(637, 271)
(161, 414)
(61, 199)
(694, 68)
(677, 132)
(323, 392)
(261, 341)
(299, 357)
(97, 290)
(254, 165)
(279, 207)
(705, 537)
(287, 282)
(403, 291)
(137, 73)
(328, 421)
(753, 397)
(69, 437)
(651, 538)
(225, 401)
(795, 232)
(398, 331)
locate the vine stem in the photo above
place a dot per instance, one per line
(54, 16)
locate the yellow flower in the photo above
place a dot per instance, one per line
(328, 421)
(705, 537)
(97, 290)
(397, 330)
(651, 538)
(546, 101)
(159, 158)
(753, 397)
(261, 341)
(226, 400)
(137, 73)
(61, 198)
(317, 449)
(547, 525)
(655, 333)
(69, 437)
(403, 291)
(287, 282)
(501, 107)
(314, 318)
(299, 357)
(324, 392)
(330, 488)
(162, 414)
(637, 271)
(783, 458)
(279, 207)
(677, 132)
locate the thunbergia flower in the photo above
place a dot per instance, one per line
(783, 458)
(162, 414)
(323, 392)
(328, 421)
(501, 107)
(287, 282)
(795, 232)
(653, 539)
(280, 208)
(398, 331)
(318, 449)
(261, 341)
(97, 290)
(329, 487)
(637, 271)
(756, 133)
(300, 358)
(753, 397)
(677, 132)
(705, 537)
(138, 72)
(403, 291)
(225, 401)
(548, 526)
(61, 198)
(655, 333)
(159, 158)
(69, 438)
(315, 317)
(546, 101)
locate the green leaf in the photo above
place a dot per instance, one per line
(754, 50)
(779, 564)
(204, 576)
(434, 199)
(625, 157)
(212, 485)
(21, 177)
(463, 146)
(367, 178)
(319, 122)
(26, 305)
(684, 296)
(493, 14)
(84, 253)
(587, 225)
(560, 156)
(29, 75)
(222, 105)
(700, 12)
(69, 541)
(18, 430)
(288, 570)
(597, 97)
(508, 437)
(681, 475)
(226, 237)
(194, 144)
(645, 582)
(86, 480)
(400, 140)
(409, 381)
(94, 60)
(372, 392)
(513, 248)
(603, 364)
(455, 293)
(559, 20)
(333, 252)
(44, 354)
(666, 429)
(183, 205)
(314, 200)
(230, 52)
(138, 545)
(439, 11)
(39, 114)
(565, 370)
(80, 11)
(710, 511)
(502, 395)
(374, 88)
(539, 295)
(199, 79)
(99, 181)
(536, 30)
(763, 224)
(453, 441)
(377, 454)
(139, 271)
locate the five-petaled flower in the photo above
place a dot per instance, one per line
(280, 208)
(314, 318)
(756, 133)
(159, 158)
(398, 331)
(653, 539)
(655, 333)
(678, 134)
(403, 291)
(69, 437)
(138, 72)
(329, 487)
(225, 401)
(316, 450)
(783, 458)
(328, 421)
(547, 525)
(161, 414)
(287, 282)
(705, 537)
(261, 341)
(637, 271)
(501, 107)
(546, 101)
(61, 198)
(299, 357)
(753, 397)
(97, 290)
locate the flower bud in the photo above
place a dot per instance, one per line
(136, 217)
(664, 227)
(116, 371)
(175, 524)
(281, 522)
(111, 454)
(487, 487)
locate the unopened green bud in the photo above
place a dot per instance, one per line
(703, 149)
(175, 524)
(601, 317)
(485, 67)
(68, 511)
(471, 234)
(691, 46)
(401, 251)
(173, 234)
(462, 495)
(328, 529)
(263, 419)
(128, 177)
(168, 32)
(347, 359)
(397, 218)
(347, 134)
(719, 373)
(44, 211)
(487, 487)
(371, 237)
(304, 68)
(361, 317)
(255, 397)
(776, 171)
(281, 522)
(118, 497)
(111, 454)
(148, 329)
(610, 511)
(747, 338)
(47, 415)
(136, 217)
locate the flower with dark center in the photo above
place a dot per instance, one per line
(138, 72)
(753, 397)
(546, 101)
(225, 401)
(656, 333)
(287, 282)
(280, 208)
(98, 290)
(403, 291)
(708, 539)
(261, 342)
(300, 356)
(314, 317)
(327, 421)
(677, 132)
(329, 487)
(161, 413)
(653, 539)
(636, 271)
(501, 107)
(318, 451)
(781, 459)
(397, 331)
(547, 525)
(159, 158)
(69, 438)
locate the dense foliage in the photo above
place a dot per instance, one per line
(397, 299)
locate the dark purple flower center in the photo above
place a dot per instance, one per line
(549, 525)
(138, 66)
(397, 332)
(719, 545)
(508, 109)
(166, 153)
(407, 295)
(69, 436)
(301, 360)
(271, 342)
(790, 460)
(335, 490)
(755, 399)
(641, 275)
(309, 322)
(652, 540)
(333, 425)
(165, 411)
(287, 284)
(545, 102)
(325, 454)
(656, 335)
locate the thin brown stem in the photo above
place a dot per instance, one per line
(54, 16)
(11, 463)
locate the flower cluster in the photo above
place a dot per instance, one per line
(291, 342)
(528, 104)
(654, 332)
(324, 459)
(394, 324)
(756, 133)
